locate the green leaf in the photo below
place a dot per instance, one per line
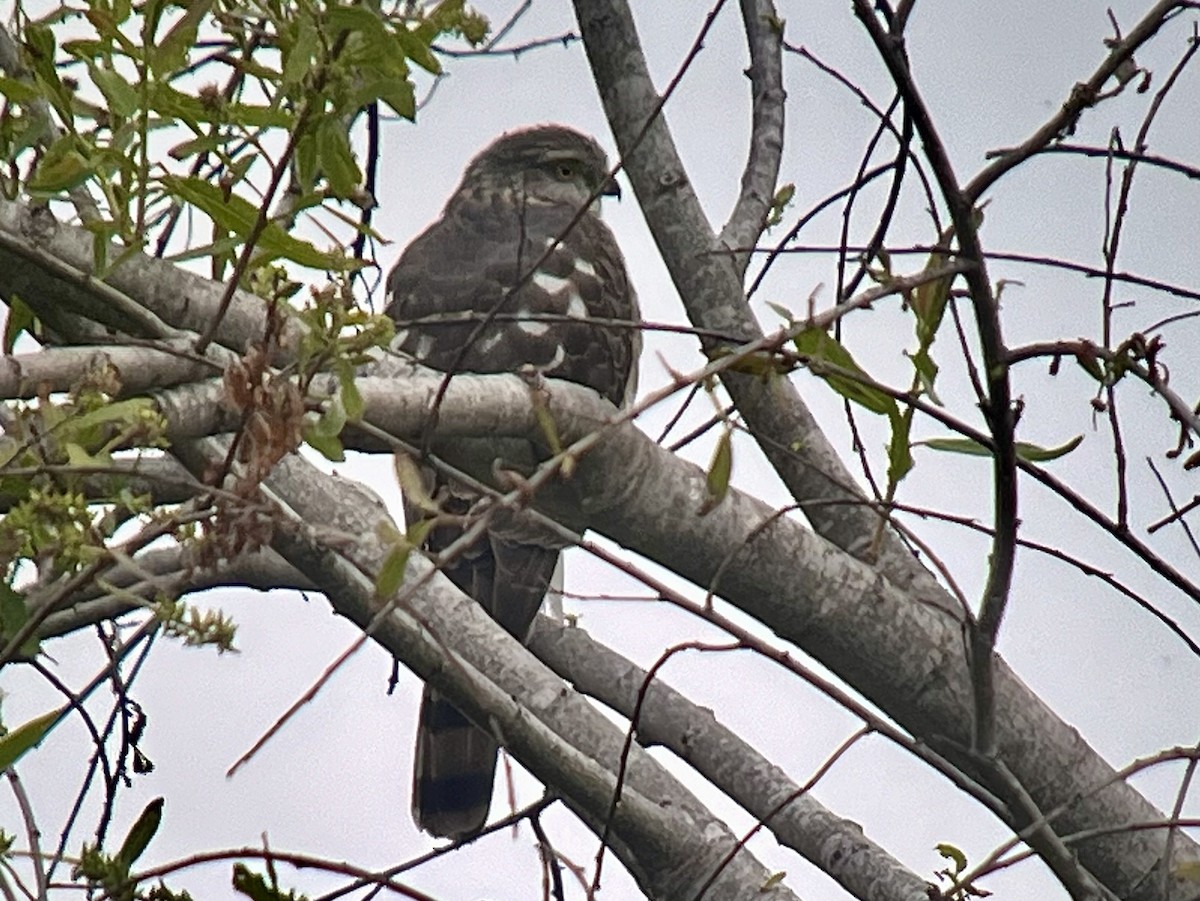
(298, 59)
(336, 158)
(361, 23)
(328, 446)
(237, 215)
(26, 736)
(1031, 453)
(412, 484)
(120, 94)
(333, 417)
(950, 852)
(170, 52)
(167, 101)
(929, 302)
(93, 426)
(106, 28)
(140, 834)
(900, 458)
(256, 888)
(773, 880)
(62, 168)
(966, 446)
(352, 400)
(720, 469)
(782, 312)
(77, 456)
(418, 51)
(761, 363)
(20, 320)
(548, 427)
(391, 574)
(41, 45)
(193, 146)
(62, 174)
(818, 345)
(13, 612)
(779, 203)
(305, 159)
(401, 97)
(927, 372)
(239, 167)
(85, 49)
(18, 91)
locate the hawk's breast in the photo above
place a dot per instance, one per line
(493, 287)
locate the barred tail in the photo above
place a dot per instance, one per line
(454, 770)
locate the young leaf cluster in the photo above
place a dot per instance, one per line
(48, 452)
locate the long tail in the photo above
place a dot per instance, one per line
(455, 761)
(453, 772)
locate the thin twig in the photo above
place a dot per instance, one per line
(1083, 95)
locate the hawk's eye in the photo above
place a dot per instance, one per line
(565, 171)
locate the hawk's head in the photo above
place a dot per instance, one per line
(547, 164)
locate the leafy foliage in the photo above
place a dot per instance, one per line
(49, 451)
(234, 119)
(111, 873)
(26, 737)
(195, 627)
(254, 886)
(271, 98)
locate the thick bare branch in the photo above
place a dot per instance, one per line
(667, 718)
(662, 833)
(49, 265)
(171, 572)
(710, 284)
(138, 369)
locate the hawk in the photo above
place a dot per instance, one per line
(518, 271)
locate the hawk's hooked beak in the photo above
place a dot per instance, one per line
(611, 189)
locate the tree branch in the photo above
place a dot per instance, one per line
(1083, 95)
(667, 718)
(138, 368)
(709, 281)
(764, 36)
(660, 832)
(898, 652)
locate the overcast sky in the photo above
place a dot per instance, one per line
(336, 782)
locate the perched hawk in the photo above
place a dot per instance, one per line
(518, 271)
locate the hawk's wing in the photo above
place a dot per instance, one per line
(481, 259)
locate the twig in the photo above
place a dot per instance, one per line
(998, 409)
(627, 746)
(1083, 95)
(32, 833)
(1120, 153)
